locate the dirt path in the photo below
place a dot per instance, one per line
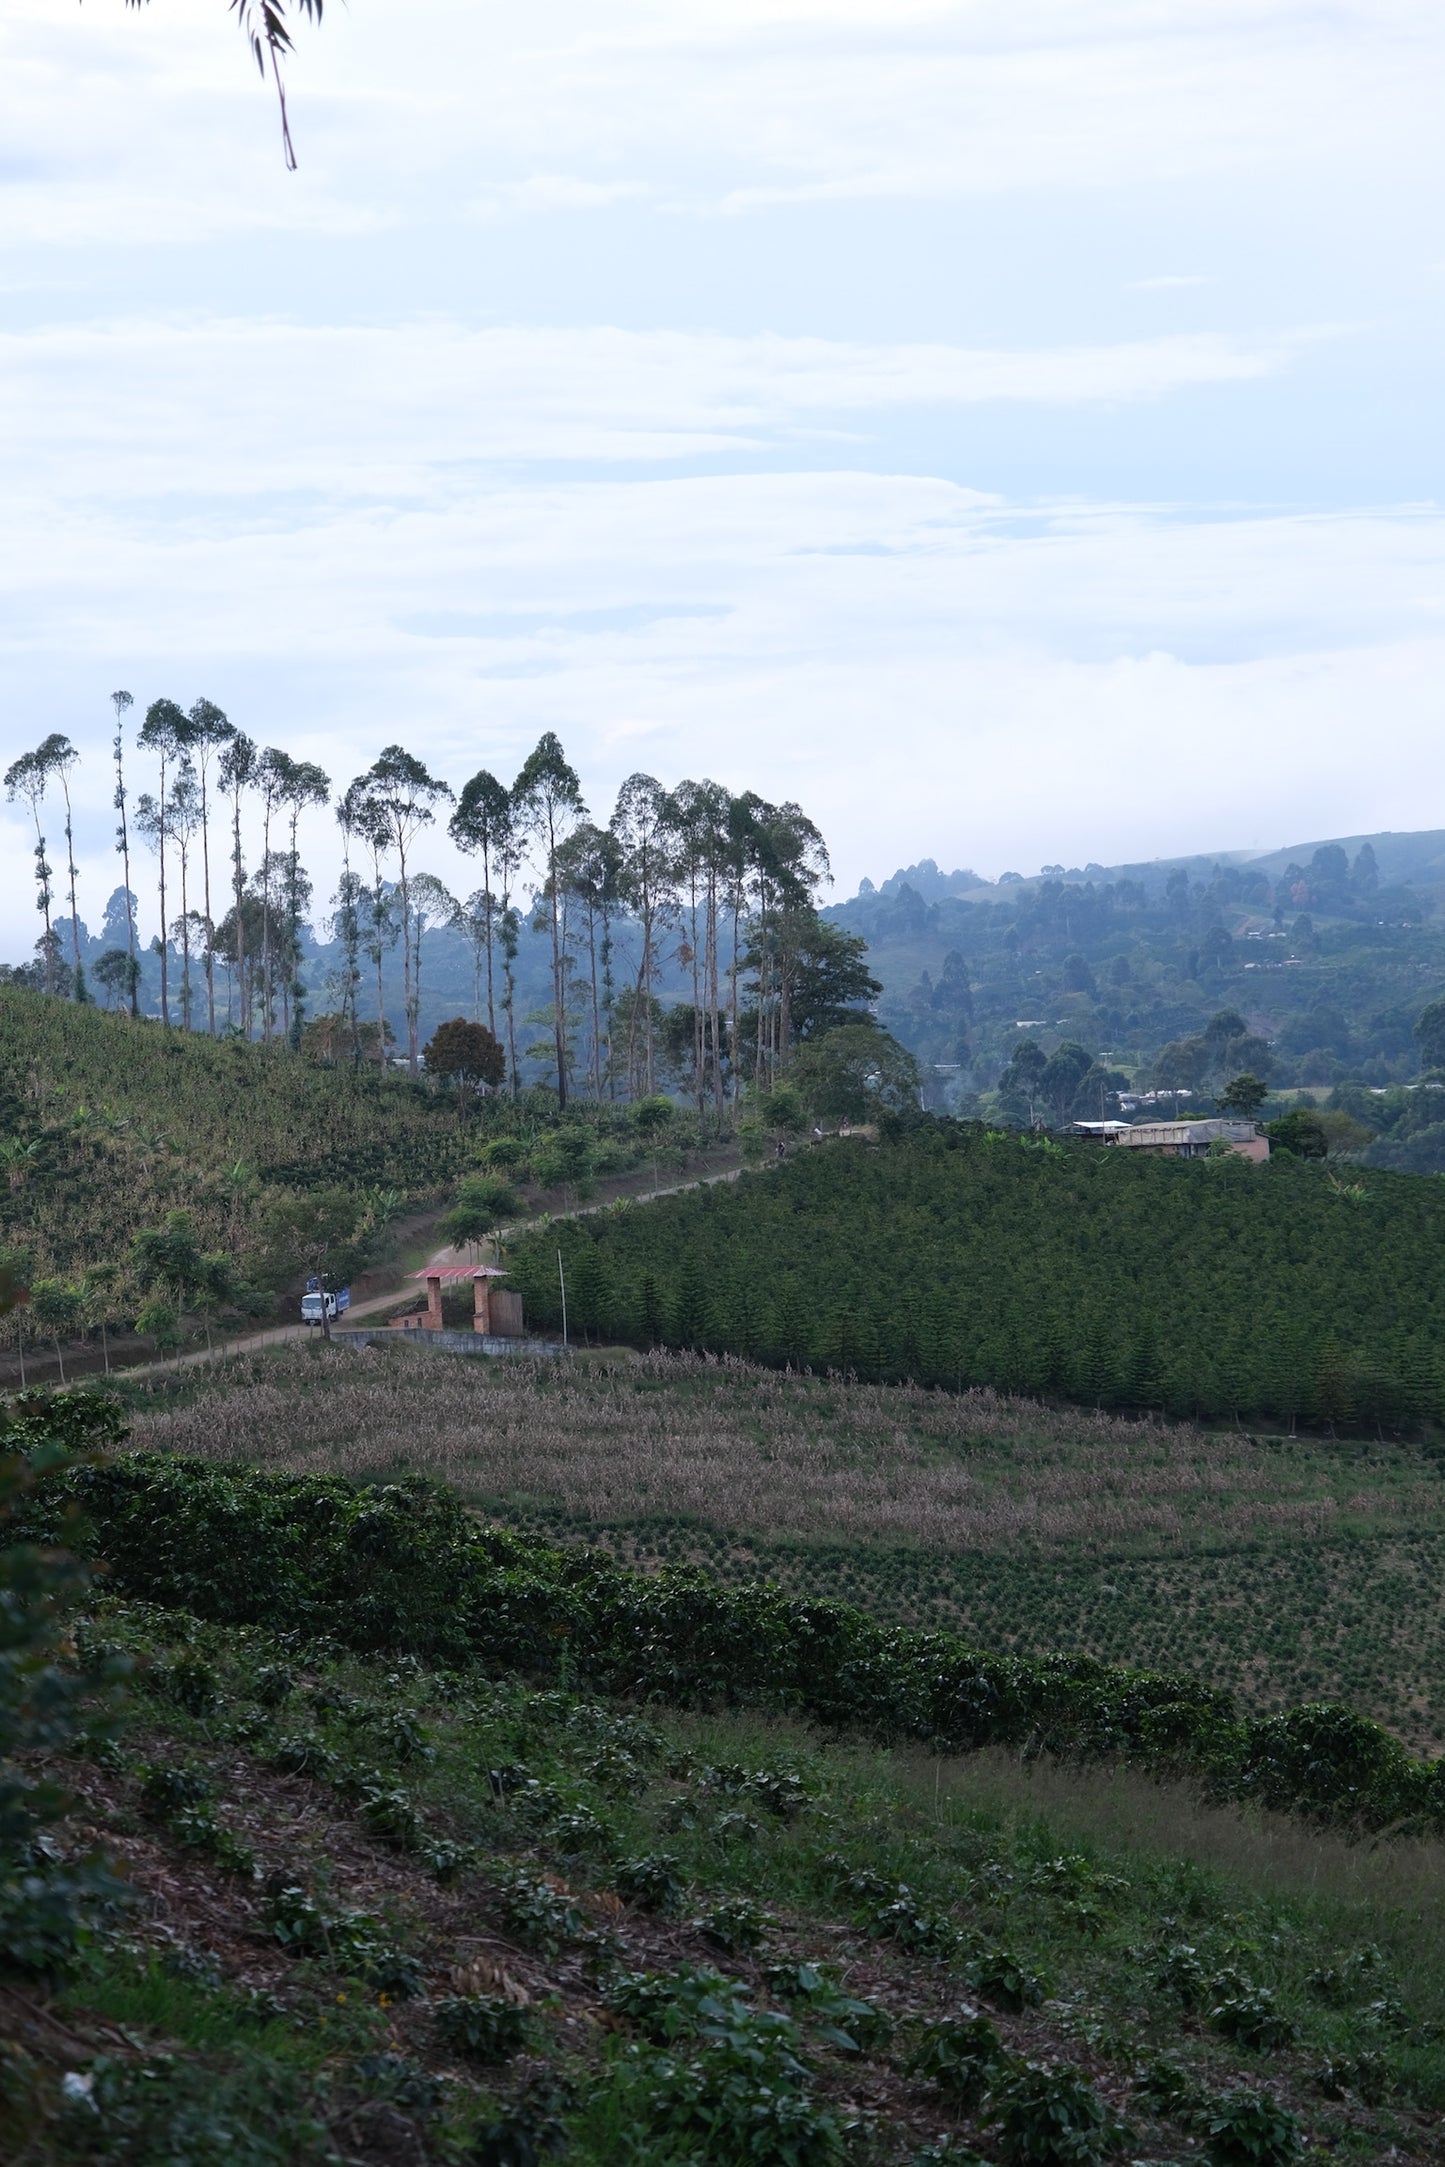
(282, 1334)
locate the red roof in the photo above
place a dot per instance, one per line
(461, 1271)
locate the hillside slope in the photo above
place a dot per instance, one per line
(405, 1879)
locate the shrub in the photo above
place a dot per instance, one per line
(538, 1913)
(190, 1683)
(391, 1817)
(654, 1881)
(1180, 1973)
(305, 1755)
(1007, 1983)
(1254, 2019)
(1250, 2129)
(1052, 2118)
(483, 2027)
(670, 2005)
(735, 1925)
(964, 2056)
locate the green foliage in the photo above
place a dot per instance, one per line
(483, 1202)
(1040, 1267)
(482, 2027)
(1301, 1134)
(854, 1073)
(130, 1122)
(405, 1568)
(1051, 2117)
(45, 1900)
(1251, 2129)
(964, 2056)
(1252, 2018)
(1004, 1981)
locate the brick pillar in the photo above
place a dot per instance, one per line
(481, 1303)
(433, 1302)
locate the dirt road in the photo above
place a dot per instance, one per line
(279, 1335)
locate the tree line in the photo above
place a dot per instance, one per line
(693, 883)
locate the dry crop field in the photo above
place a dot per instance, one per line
(1286, 1568)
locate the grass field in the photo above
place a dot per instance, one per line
(1286, 1569)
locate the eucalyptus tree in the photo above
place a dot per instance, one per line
(266, 30)
(509, 931)
(640, 822)
(698, 820)
(27, 778)
(432, 904)
(483, 825)
(589, 864)
(184, 820)
(548, 800)
(273, 775)
(59, 757)
(236, 775)
(370, 824)
(346, 916)
(403, 798)
(166, 732)
(123, 703)
(473, 920)
(306, 784)
(789, 862)
(210, 730)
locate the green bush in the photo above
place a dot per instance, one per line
(1007, 1983)
(1254, 2019)
(1050, 2117)
(1250, 2129)
(964, 2056)
(483, 2027)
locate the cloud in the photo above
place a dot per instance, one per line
(170, 414)
(563, 106)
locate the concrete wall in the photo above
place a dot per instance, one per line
(450, 1342)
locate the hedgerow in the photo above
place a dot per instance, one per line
(404, 1568)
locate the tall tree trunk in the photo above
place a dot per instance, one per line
(206, 902)
(70, 862)
(185, 939)
(559, 1020)
(487, 915)
(238, 887)
(165, 937)
(596, 1015)
(406, 970)
(124, 839)
(266, 919)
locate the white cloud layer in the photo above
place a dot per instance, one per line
(1012, 431)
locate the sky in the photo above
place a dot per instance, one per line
(1009, 427)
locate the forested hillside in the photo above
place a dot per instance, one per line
(958, 1254)
(1308, 968)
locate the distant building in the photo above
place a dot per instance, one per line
(1178, 1139)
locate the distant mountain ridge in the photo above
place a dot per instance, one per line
(1414, 857)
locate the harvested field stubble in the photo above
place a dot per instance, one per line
(762, 1453)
